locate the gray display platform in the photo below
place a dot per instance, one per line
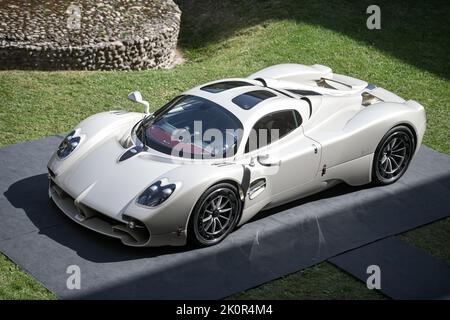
(39, 238)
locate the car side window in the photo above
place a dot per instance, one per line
(271, 128)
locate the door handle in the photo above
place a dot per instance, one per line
(265, 161)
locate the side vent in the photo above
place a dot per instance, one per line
(256, 188)
(368, 99)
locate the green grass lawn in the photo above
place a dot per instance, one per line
(408, 56)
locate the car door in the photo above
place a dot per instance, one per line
(281, 167)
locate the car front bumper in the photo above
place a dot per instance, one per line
(137, 236)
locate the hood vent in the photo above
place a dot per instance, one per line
(126, 141)
(130, 153)
(118, 112)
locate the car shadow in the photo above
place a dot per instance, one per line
(30, 195)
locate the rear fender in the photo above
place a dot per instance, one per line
(362, 133)
(372, 123)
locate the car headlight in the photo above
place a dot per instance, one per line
(70, 142)
(156, 194)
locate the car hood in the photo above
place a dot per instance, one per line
(98, 180)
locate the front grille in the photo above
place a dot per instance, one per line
(137, 223)
(97, 221)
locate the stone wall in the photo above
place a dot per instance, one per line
(88, 34)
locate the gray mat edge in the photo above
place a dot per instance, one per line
(338, 262)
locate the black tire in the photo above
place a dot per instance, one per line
(393, 155)
(209, 215)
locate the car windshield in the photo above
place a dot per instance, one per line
(193, 127)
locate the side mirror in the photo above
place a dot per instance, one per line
(268, 162)
(136, 96)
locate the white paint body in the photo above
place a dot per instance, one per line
(339, 133)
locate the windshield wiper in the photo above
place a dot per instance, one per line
(144, 135)
(149, 120)
(146, 122)
(142, 127)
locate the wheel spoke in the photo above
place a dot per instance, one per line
(393, 143)
(209, 225)
(223, 217)
(398, 156)
(224, 210)
(218, 203)
(224, 204)
(219, 223)
(398, 150)
(386, 165)
(395, 163)
(383, 159)
(389, 165)
(207, 218)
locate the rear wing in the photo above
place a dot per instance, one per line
(293, 72)
(316, 78)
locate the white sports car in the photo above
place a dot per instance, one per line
(216, 155)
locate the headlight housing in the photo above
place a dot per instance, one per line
(156, 194)
(70, 142)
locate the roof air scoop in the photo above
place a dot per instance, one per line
(263, 82)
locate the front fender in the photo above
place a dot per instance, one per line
(94, 130)
(193, 180)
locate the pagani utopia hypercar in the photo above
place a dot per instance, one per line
(216, 155)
